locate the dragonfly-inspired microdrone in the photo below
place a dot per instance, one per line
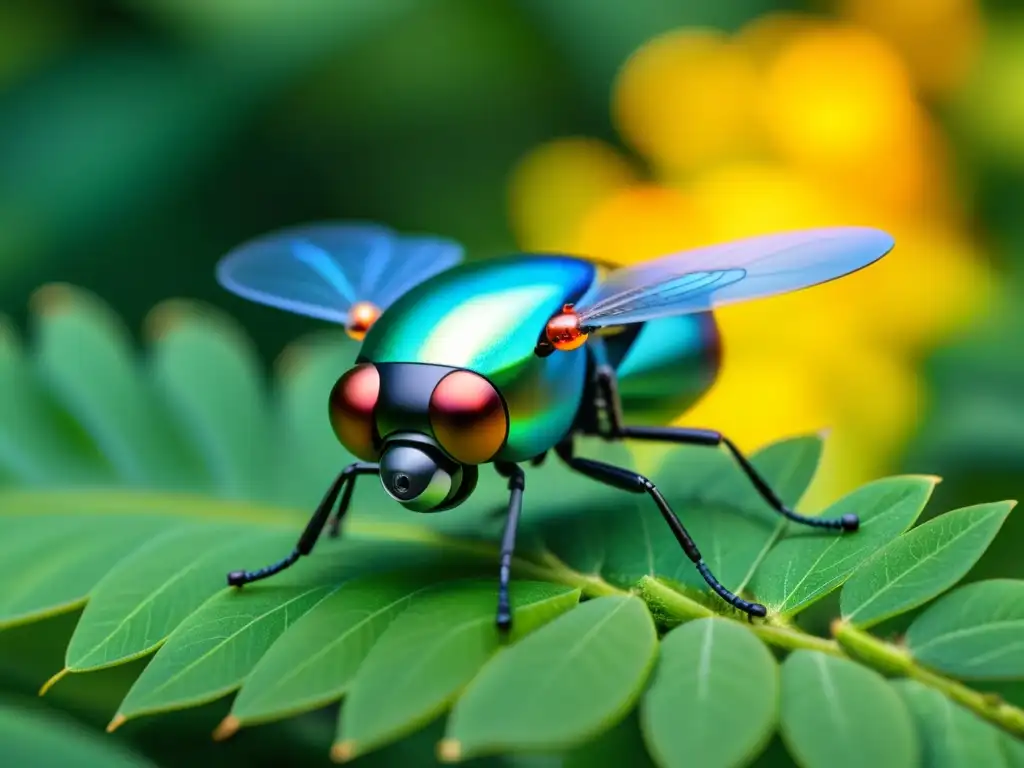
(502, 361)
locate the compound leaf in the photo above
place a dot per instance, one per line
(430, 652)
(805, 567)
(602, 651)
(921, 564)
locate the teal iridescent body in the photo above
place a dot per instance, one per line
(488, 316)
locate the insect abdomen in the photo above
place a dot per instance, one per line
(666, 366)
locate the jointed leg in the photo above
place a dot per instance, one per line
(684, 435)
(516, 485)
(345, 479)
(628, 480)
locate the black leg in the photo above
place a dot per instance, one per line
(516, 485)
(345, 479)
(627, 480)
(617, 430)
(346, 500)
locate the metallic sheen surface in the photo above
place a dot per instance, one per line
(351, 409)
(487, 317)
(669, 365)
(468, 417)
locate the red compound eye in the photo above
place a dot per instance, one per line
(351, 407)
(468, 417)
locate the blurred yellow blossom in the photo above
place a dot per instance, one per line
(793, 122)
(686, 99)
(938, 39)
(557, 184)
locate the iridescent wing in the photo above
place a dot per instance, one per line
(755, 267)
(322, 270)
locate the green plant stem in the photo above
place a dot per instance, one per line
(896, 660)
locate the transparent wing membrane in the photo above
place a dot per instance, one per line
(755, 267)
(321, 270)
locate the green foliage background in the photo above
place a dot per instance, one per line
(139, 139)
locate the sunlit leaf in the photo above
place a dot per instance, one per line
(712, 675)
(809, 564)
(836, 713)
(29, 737)
(50, 561)
(154, 588)
(921, 564)
(431, 651)
(973, 632)
(520, 701)
(950, 736)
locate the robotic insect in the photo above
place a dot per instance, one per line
(502, 361)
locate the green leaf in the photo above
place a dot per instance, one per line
(728, 520)
(921, 564)
(85, 356)
(712, 674)
(973, 632)
(37, 441)
(151, 591)
(50, 561)
(33, 737)
(208, 373)
(431, 651)
(315, 661)
(1013, 751)
(836, 713)
(805, 567)
(522, 701)
(210, 653)
(950, 736)
(619, 746)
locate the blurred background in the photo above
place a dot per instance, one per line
(141, 139)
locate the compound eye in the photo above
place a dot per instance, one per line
(351, 405)
(468, 417)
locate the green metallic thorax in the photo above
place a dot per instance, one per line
(487, 317)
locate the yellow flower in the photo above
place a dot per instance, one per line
(792, 123)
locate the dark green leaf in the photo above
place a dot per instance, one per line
(949, 735)
(921, 564)
(714, 697)
(30, 737)
(973, 632)
(836, 713)
(209, 375)
(151, 591)
(314, 662)
(622, 745)
(521, 701)
(49, 561)
(86, 358)
(430, 652)
(728, 520)
(805, 567)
